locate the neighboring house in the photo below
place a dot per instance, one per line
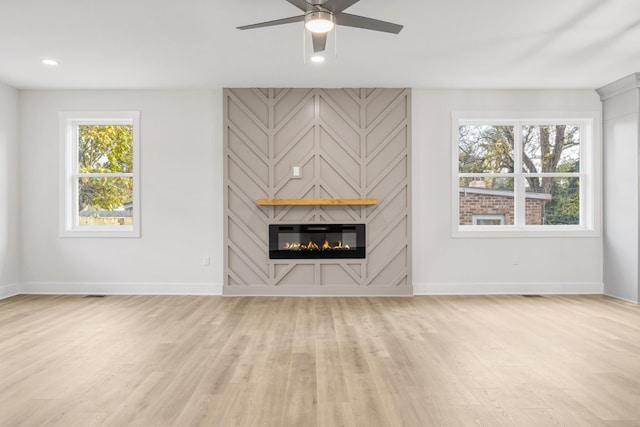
(121, 216)
(485, 206)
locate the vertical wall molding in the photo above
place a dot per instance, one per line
(349, 143)
(621, 187)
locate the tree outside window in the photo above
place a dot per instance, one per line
(105, 152)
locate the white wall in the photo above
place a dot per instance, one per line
(9, 188)
(181, 162)
(442, 264)
(181, 200)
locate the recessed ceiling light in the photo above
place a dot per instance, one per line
(317, 58)
(51, 62)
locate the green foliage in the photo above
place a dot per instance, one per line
(485, 149)
(105, 149)
(564, 208)
(105, 192)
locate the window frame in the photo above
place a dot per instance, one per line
(69, 175)
(589, 174)
(479, 217)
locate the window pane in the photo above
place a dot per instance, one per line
(485, 198)
(488, 220)
(498, 183)
(485, 148)
(105, 148)
(105, 201)
(556, 203)
(551, 148)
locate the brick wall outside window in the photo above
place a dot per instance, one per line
(473, 203)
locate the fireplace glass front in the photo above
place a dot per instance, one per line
(300, 241)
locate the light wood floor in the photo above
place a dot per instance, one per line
(422, 361)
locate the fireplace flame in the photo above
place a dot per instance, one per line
(297, 246)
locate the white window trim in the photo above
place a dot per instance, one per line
(590, 175)
(69, 120)
(475, 218)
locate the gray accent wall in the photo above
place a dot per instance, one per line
(349, 143)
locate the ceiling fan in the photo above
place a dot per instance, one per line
(320, 17)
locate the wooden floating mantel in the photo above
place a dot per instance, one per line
(307, 202)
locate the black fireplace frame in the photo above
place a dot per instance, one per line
(360, 251)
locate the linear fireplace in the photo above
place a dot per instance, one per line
(311, 241)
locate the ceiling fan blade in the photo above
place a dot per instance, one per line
(357, 21)
(274, 22)
(302, 5)
(319, 41)
(337, 6)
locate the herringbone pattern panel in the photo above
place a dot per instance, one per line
(349, 143)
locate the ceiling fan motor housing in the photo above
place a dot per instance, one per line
(319, 21)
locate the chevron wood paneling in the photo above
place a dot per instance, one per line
(350, 143)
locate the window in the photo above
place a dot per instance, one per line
(100, 196)
(524, 176)
(488, 219)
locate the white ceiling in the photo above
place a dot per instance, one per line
(159, 44)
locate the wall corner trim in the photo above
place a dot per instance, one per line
(630, 82)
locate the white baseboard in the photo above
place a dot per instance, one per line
(506, 288)
(622, 299)
(317, 291)
(119, 288)
(9, 290)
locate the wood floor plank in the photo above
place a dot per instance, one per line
(276, 361)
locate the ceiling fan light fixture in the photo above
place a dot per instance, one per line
(319, 21)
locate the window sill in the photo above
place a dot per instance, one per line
(101, 232)
(529, 232)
